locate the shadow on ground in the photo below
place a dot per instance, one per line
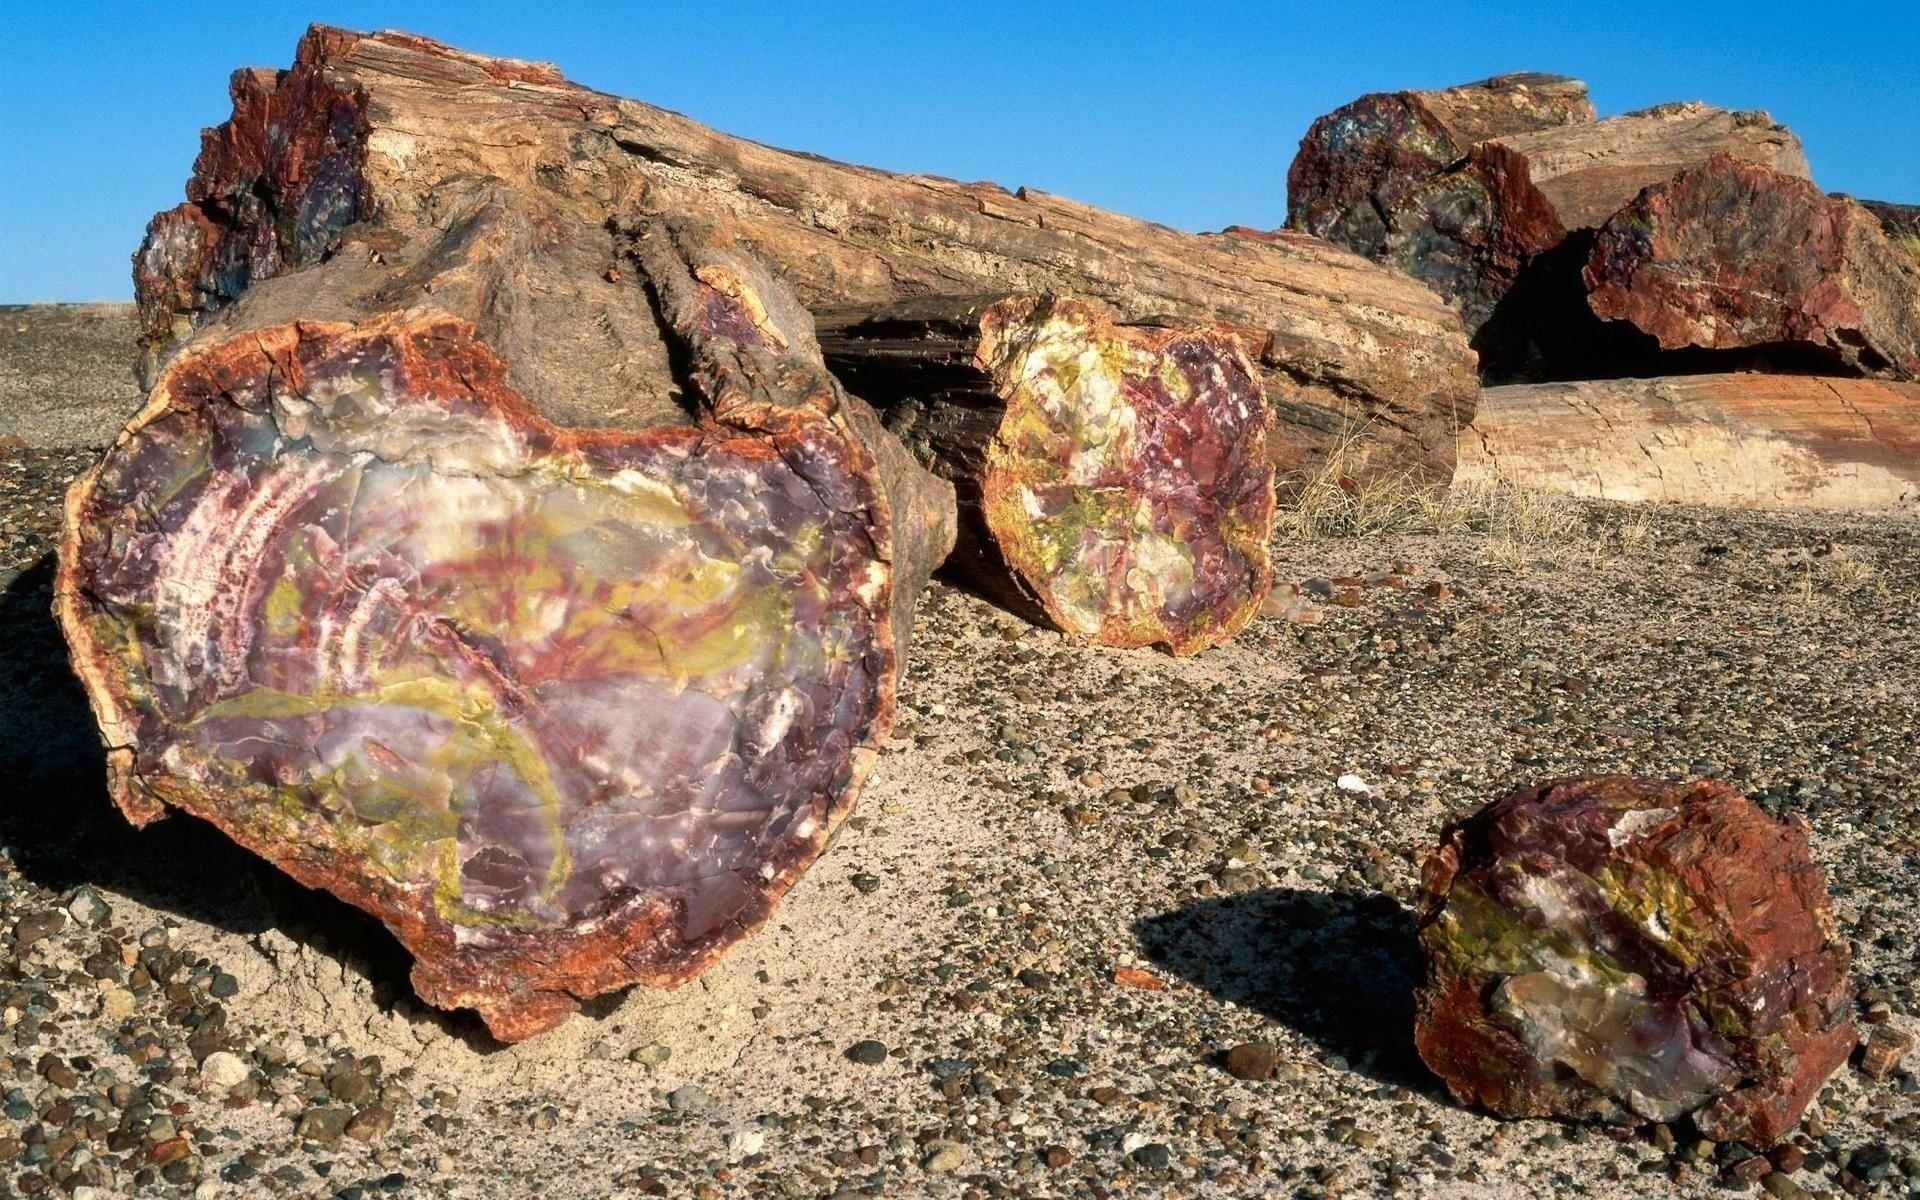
(62, 830)
(1337, 967)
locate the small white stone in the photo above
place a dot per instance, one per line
(1354, 784)
(744, 1143)
(224, 1070)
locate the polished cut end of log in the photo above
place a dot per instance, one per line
(1724, 441)
(1630, 950)
(567, 710)
(1116, 477)
(519, 575)
(1358, 163)
(1735, 256)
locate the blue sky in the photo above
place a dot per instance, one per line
(1183, 113)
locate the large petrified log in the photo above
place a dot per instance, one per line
(1733, 441)
(1513, 217)
(1358, 164)
(1630, 950)
(415, 577)
(1115, 477)
(1734, 256)
(366, 125)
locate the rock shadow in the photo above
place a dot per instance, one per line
(1337, 967)
(62, 830)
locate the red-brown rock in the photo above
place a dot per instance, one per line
(1359, 162)
(1507, 215)
(1733, 256)
(1632, 950)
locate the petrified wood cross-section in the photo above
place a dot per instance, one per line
(567, 706)
(1115, 477)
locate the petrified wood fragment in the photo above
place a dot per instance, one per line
(1114, 477)
(1360, 162)
(1511, 215)
(1733, 256)
(382, 124)
(1726, 440)
(1631, 950)
(416, 577)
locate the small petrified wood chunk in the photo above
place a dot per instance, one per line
(1732, 256)
(1631, 950)
(1358, 163)
(564, 668)
(1114, 476)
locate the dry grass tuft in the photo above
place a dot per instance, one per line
(1517, 523)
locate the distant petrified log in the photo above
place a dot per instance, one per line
(417, 578)
(1629, 950)
(1360, 162)
(1512, 214)
(1115, 477)
(1901, 222)
(1733, 441)
(1732, 256)
(382, 123)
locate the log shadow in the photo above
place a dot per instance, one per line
(1337, 967)
(61, 828)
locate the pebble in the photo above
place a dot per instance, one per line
(1251, 1060)
(868, 1053)
(943, 1158)
(690, 1098)
(224, 1069)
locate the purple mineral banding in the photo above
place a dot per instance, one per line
(566, 710)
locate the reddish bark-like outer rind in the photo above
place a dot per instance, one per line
(299, 129)
(1679, 920)
(1351, 355)
(1732, 255)
(521, 984)
(1363, 160)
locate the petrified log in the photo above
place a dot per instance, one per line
(1732, 256)
(1630, 950)
(378, 124)
(416, 578)
(1901, 222)
(1360, 162)
(1114, 477)
(1731, 441)
(1513, 216)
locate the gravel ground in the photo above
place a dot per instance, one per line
(1077, 879)
(66, 377)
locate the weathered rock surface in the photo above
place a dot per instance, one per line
(1360, 162)
(1630, 950)
(1726, 440)
(1115, 477)
(1733, 256)
(1511, 214)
